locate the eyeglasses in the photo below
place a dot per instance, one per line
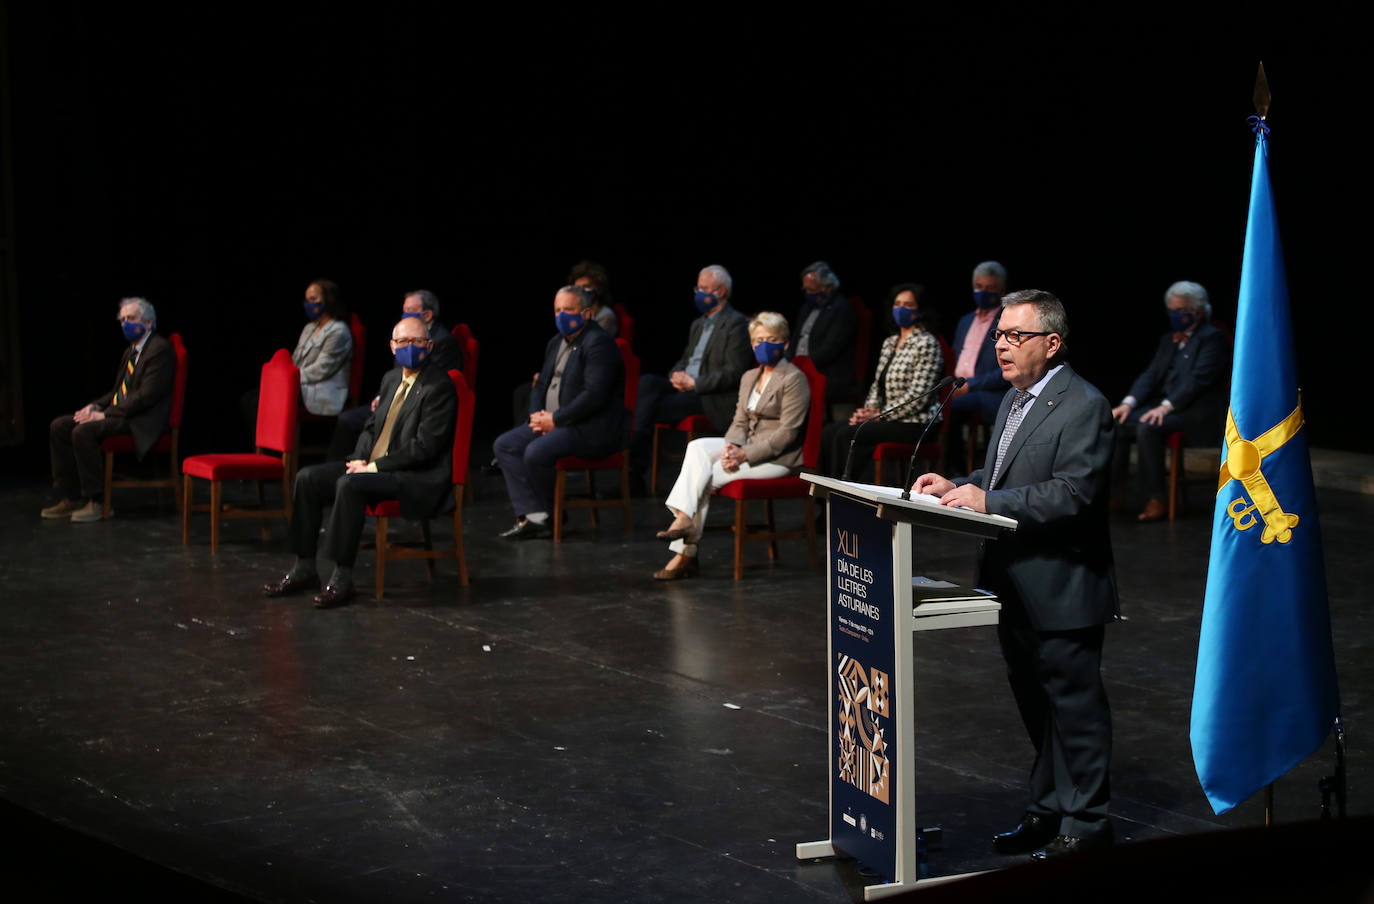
(1015, 337)
(407, 341)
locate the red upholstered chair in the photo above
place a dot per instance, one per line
(168, 442)
(279, 403)
(782, 487)
(932, 452)
(471, 352)
(619, 461)
(355, 373)
(693, 425)
(392, 552)
(627, 323)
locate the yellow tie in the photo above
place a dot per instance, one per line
(124, 383)
(384, 439)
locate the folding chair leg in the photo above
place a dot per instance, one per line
(740, 528)
(381, 555)
(215, 488)
(560, 486)
(109, 479)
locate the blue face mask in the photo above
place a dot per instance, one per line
(705, 301)
(411, 356)
(905, 316)
(1182, 321)
(313, 310)
(133, 331)
(814, 297)
(568, 324)
(987, 300)
(769, 353)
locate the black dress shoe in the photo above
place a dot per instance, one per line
(287, 585)
(1063, 845)
(332, 596)
(527, 530)
(1033, 833)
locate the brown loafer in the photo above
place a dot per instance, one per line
(287, 586)
(332, 596)
(673, 533)
(691, 569)
(1154, 511)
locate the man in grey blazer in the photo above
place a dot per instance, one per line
(405, 453)
(1049, 466)
(705, 379)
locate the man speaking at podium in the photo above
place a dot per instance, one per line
(1049, 466)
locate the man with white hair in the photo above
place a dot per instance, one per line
(1184, 388)
(139, 404)
(825, 330)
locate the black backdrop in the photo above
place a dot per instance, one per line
(215, 159)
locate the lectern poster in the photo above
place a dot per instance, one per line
(864, 811)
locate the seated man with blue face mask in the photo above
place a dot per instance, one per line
(577, 407)
(405, 453)
(139, 404)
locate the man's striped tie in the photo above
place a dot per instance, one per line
(124, 383)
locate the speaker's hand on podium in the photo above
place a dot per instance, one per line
(932, 485)
(969, 496)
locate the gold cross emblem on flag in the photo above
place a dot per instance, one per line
(1244, 459)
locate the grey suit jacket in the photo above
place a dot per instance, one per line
(728, 355)
(776, 429)
(1054, 481)
(324, 359)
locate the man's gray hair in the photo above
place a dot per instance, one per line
(1193, 295)
(1049, 310)
(991, 268)
(721, 276)
(145, 310)
(428, 301)
(824, 275)
(584, 295)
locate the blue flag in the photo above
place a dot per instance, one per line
(1265, 694)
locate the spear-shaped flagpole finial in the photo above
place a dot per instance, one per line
(1261, 97)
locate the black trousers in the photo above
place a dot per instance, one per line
(1056, 679)
(318, 486)
(835, 439)
(78, 465)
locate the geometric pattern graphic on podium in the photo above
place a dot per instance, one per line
(862, 707)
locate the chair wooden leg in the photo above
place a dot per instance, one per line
(381, 555)
(591, 494)
(810, 515)
(560, 486)
(625, 505)
(458, 543)
(215, 489)
(429, 547)
(653, 470)
(186, 510)
(1175, 466)
(109, 479)
(878, 472)
(772, 529)
(740, 527)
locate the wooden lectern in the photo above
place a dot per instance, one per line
(873, 615)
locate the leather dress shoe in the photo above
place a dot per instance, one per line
(332, 596)
(525, 529)
(1063, 845)
(674, 533)
(287, 585)
(1033, 833)
(1154, 511)
(691, 569)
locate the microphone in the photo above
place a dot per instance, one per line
(911, 465)
(849, 458)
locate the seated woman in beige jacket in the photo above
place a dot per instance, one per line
(764, 441)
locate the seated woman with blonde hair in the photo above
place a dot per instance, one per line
(764, 441)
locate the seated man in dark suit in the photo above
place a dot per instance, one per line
(139, 404)
(976, 358)
(825, 329)
(446, 355)
(405, 452)
(577, 407)
(1048, 466)
(705, 380)
(1184, 388)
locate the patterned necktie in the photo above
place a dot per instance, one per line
(1018, 411)
(384, 438)
(124, 382)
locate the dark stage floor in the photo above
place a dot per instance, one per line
(564, 729)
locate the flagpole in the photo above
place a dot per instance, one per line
(1261, 100)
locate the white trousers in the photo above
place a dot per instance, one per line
(701, 474)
